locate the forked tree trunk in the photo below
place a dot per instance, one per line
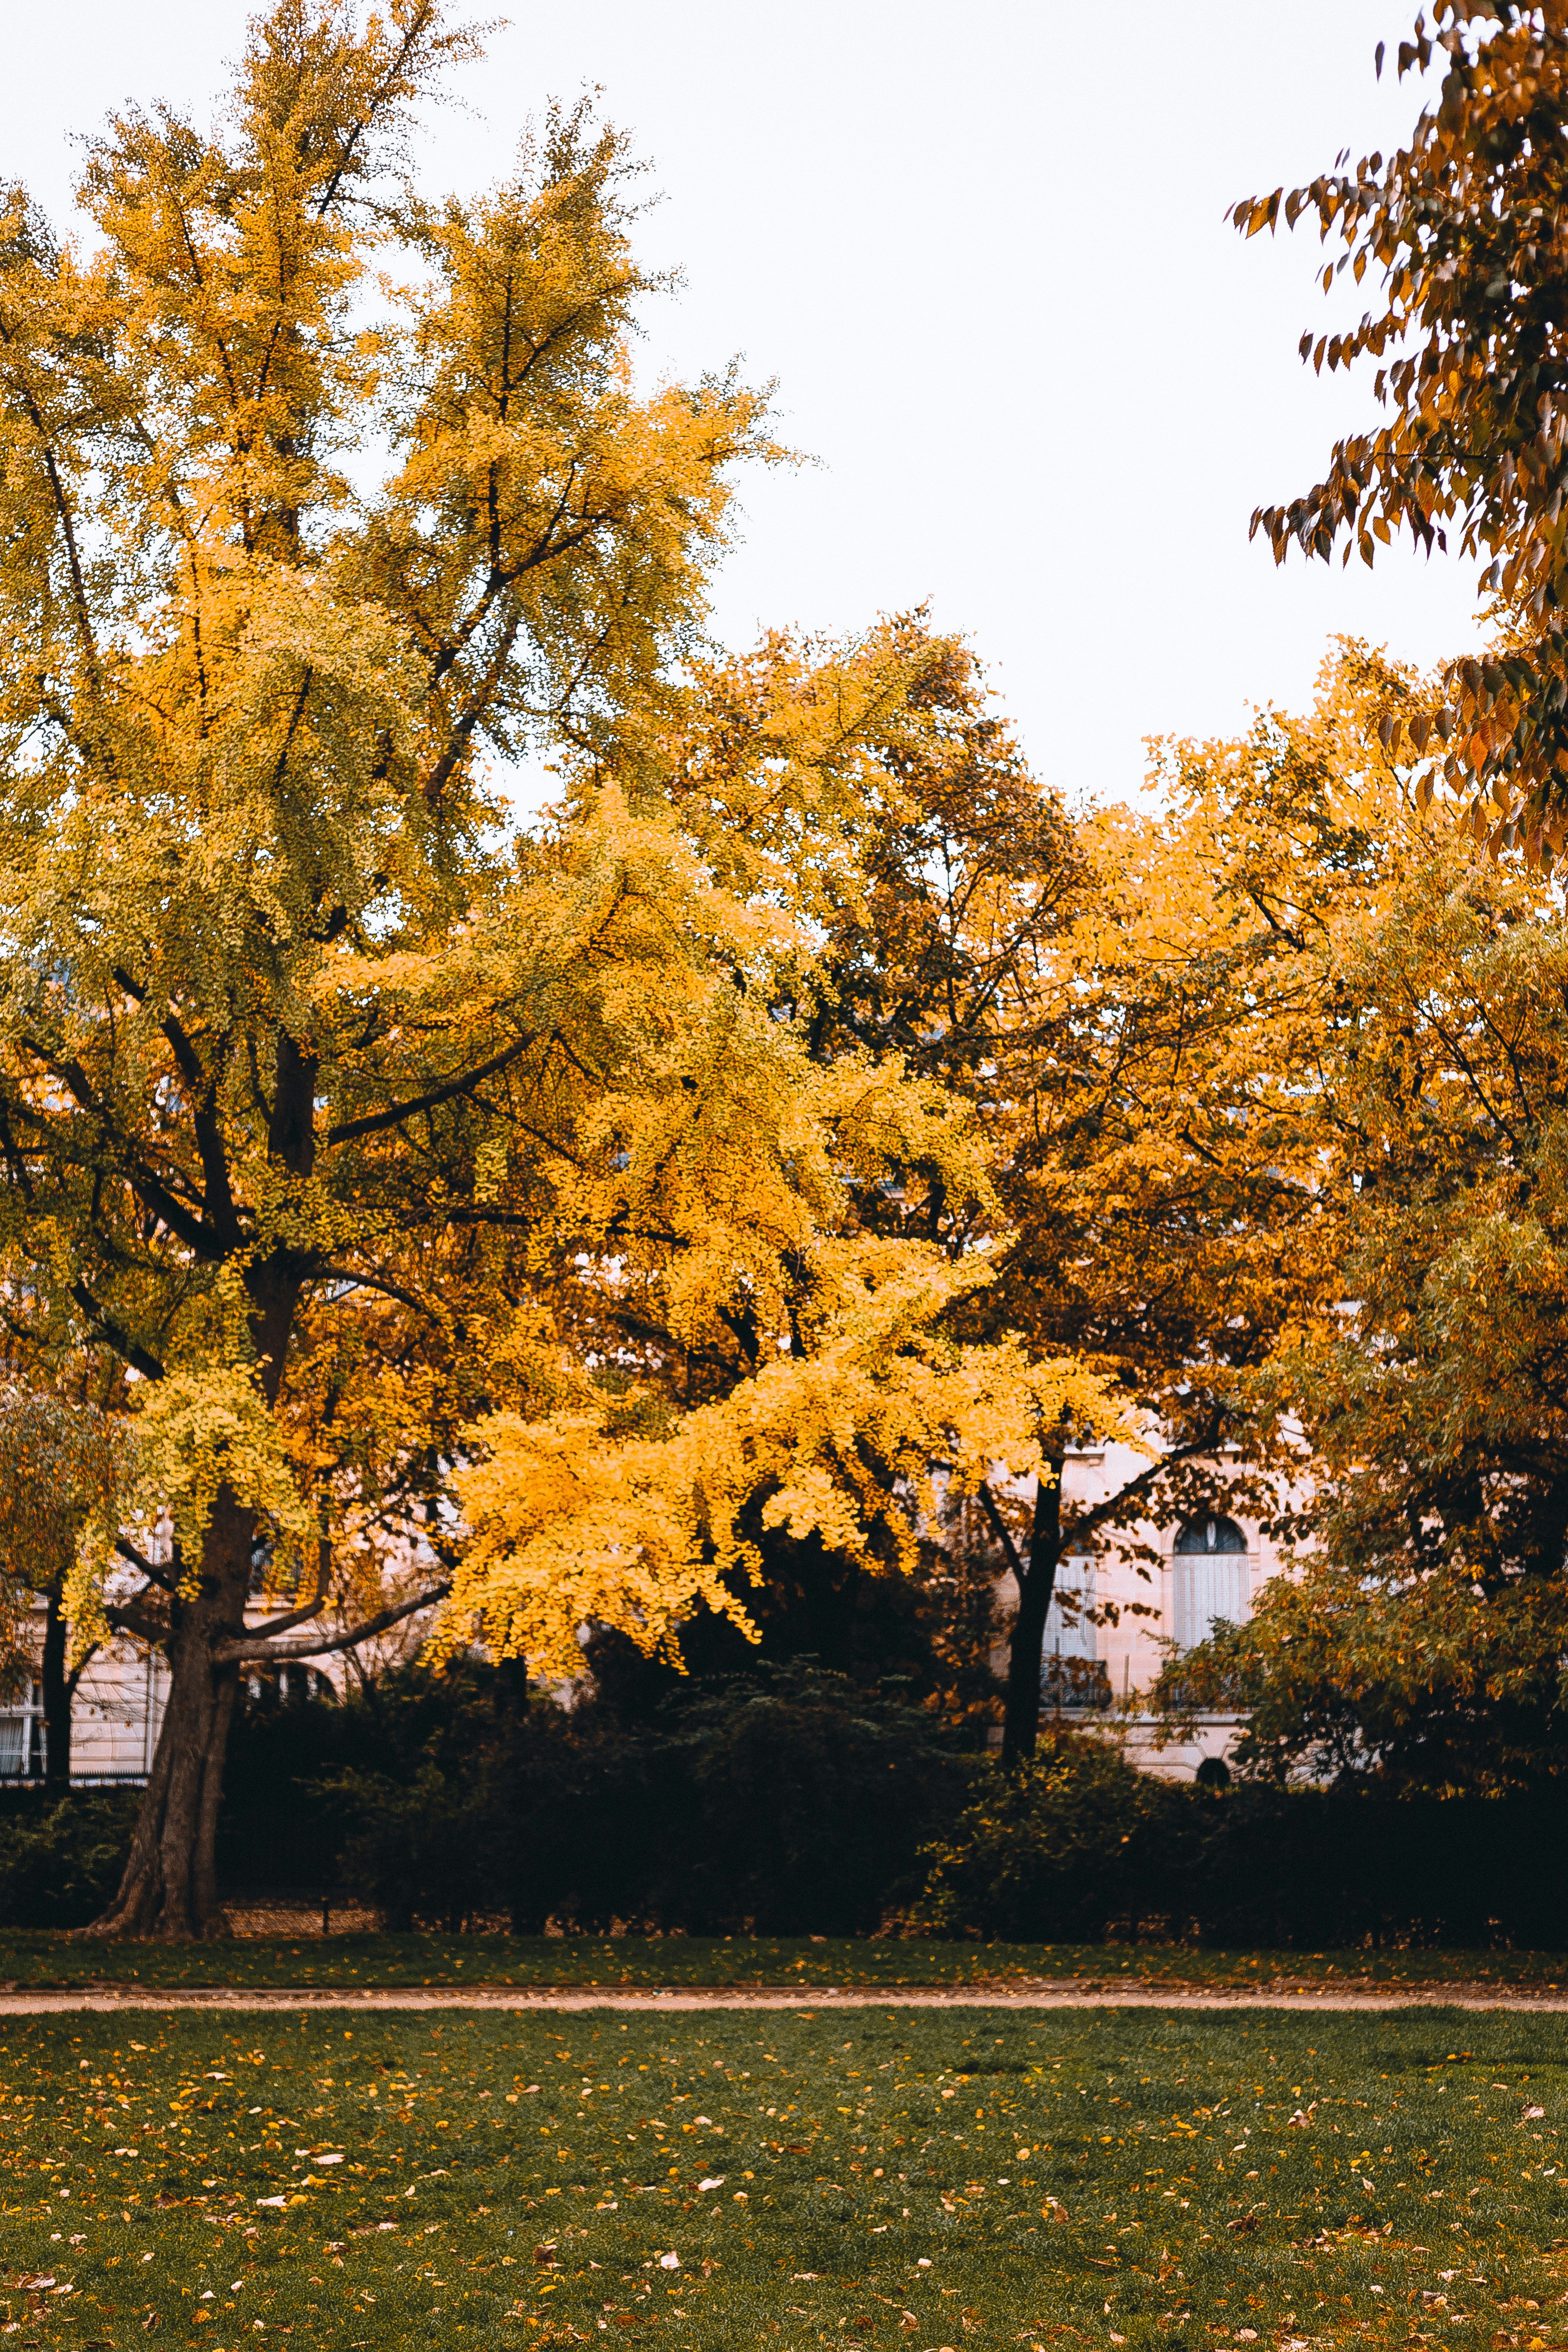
(170, 1886)
(1037, 1583)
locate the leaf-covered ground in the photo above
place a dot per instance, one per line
(737, 2180)
(43, 1959)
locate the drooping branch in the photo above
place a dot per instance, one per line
(74, 1678)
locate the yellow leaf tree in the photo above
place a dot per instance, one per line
(368, 1160)
(275, 980)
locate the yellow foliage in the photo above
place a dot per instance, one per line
(340, 1118)
(851, 1439)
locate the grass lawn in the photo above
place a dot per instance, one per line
(735, 2179)
(41, 1959)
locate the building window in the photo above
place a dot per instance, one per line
(1070, 1673)
(22, 1738)
(1068, 1633)
(1208, 1579)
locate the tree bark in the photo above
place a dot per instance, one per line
(168, 1889)
(59, 1688)
(1036, 1580)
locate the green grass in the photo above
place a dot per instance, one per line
(916, 2178)
(43, 1959)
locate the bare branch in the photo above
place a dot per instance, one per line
(145, 1567)
(1000, 1530)
(286, 1621)
(125, 1616)
(119, 1338)
(384, 1289)
(244, 1650)
(374, 1120)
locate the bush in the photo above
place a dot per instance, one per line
(1053, 1850)
(792, 1800)
(62, 1858)
(1079, 1846)
(419, 1850)
(786, 1797)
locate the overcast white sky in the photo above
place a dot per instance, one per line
(983, 251)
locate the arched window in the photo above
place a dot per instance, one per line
(1208, 1577)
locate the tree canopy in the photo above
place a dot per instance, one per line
(441, 1209)
(1463, 227)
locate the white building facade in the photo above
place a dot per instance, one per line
(1209, 1568)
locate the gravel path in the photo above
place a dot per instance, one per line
(1046, 1994)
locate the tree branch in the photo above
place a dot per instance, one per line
(345, 1131)
(286, 1621)
(118, 1337)
(80, 1667)
(384, 1289)
(126, 1616)
(143, 1567)
(244, 1649)
(1000, 1530)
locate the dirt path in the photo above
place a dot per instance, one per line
(1046, 1994)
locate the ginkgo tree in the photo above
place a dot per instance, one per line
(442, 1213)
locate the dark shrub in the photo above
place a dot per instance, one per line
(1056, 1850)
(420, 1850)
(785, 1796)
(60, 1860)
(791, 1798)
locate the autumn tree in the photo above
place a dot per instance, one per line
(1421, 1639)
(833, 1395)
(268, 986)
(1157, 1143)
(1463, 230)
(1124, 1003)
(448, 1211)
(873, 789)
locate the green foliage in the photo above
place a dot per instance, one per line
(60, 1862)
(1078, 1843)
(1050, 1849)
(785, 1797)
(419, 1850)
(790, 1798)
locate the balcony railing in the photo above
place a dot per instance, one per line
(1074, 1686)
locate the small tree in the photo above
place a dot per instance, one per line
(62, 1461)
(1422, 1641)
(1157, 1137)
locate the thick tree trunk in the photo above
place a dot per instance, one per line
(1025, 1656)
(170, 1886)
(58, 1689)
